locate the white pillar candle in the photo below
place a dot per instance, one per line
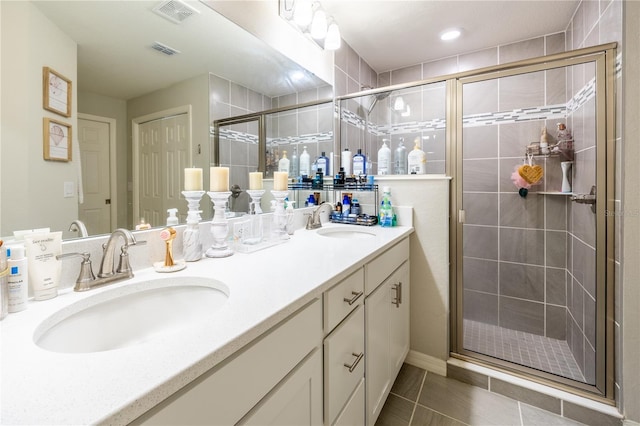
(255, 180)
(193, 179)
(280, 181)
(219, 179)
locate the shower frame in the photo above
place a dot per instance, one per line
(604, 58)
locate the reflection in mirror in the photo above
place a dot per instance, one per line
(396, 117)
(260, 142)
(106, 49)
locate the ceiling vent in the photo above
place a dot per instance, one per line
(163, 48)
(175, 11)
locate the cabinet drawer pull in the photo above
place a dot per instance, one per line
(356, 296)
(355, 363)
(398, 299)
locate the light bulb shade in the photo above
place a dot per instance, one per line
(302, 13)
(319, 24)
(333, 39)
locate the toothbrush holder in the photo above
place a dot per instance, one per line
(219, 225)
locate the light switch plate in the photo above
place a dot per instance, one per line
(69, 190)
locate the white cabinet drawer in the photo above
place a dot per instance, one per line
(382, 266)
(353, 412)
(343, 298)
(343, 363)
(228, 391)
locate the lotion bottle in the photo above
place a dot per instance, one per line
(384, 159)
(359, 163)
(417, 159)
(305, 165)
(18, 280)
(283, 164)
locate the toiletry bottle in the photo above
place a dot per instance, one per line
(18, 280)
(346, 205)
(283, 164)
(386, 215)
(305, 166)
(417, 160)
(544, 142)
(294, 170)
(359, 163)
(355, 207)
(172, 219)
(4, 291)
(345, 160)
(384, 159)
(311, 201)
(323, 164)
(400, 159)
(318, 180)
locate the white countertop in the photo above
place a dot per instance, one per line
(40, 387)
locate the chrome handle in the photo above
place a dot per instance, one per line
(355, 363)
(398, 299)
(356, 296)
(589, 198)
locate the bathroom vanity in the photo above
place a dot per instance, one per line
(313, 331)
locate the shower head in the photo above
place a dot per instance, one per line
(377, 97)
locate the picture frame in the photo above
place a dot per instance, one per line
(56, 140)
(56, 92)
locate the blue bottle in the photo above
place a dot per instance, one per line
(359, 163)
(323, 163)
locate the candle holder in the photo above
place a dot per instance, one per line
(279, 230)
(256, 197)
(219, 225)
(192, 247)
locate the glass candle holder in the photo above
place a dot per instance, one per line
(219, 225)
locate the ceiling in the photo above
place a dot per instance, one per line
(392, 34)
(114, 38)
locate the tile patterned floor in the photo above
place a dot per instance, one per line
(421, 398)
(531, 350)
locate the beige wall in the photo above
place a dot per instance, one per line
(32, 194)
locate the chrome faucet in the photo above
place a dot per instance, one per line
(87, 280)
(313, 219)
(78, 226)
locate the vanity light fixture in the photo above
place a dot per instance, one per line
(450, 34)
(311, 19)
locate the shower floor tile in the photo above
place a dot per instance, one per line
(531, 350)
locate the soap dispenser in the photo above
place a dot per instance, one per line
(283, 164)
(172, 218)
(417, 159)
(384, 159)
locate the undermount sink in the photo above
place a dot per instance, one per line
(131, 314)
(348, 232)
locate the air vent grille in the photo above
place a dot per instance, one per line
(163, 48)
(175, 11)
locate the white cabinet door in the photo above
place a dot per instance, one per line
(353, 412)
(377, 331)
(296, 401)
(399, 316)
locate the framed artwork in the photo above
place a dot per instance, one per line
(56, 92)
(57, 140)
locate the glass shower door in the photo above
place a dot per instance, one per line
(529, 278)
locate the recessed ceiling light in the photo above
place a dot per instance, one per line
(451, 34)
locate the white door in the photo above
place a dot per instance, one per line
(164, 146)
(95, 211)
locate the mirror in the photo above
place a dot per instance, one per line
(120, 77)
